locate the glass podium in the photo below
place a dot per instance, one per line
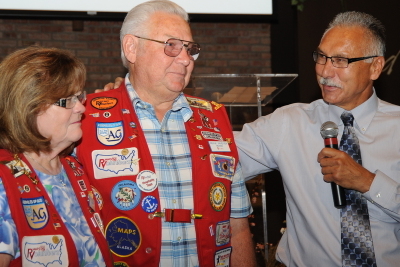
(246, 97)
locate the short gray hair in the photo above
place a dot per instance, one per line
(373, 26)
(139, 15)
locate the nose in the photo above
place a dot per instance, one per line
(327, 70)
(79, 107)
(184, 57)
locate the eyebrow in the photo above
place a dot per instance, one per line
(336, 55)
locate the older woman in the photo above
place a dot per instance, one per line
(48, 213)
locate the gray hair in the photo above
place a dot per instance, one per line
(139, 15)
(373, 26)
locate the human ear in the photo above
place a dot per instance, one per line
(129, 46)
(377, 67)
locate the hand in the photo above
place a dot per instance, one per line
(110, 86)
(338, 167)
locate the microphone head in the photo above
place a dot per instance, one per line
(329, 129)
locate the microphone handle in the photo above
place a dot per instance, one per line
(339, 196)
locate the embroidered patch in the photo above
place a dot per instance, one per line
(218, 196)
(125, 111)
(125, 195)
(110, 133)
(222, 257)
(46, 250)
(147, 181)
(98, 197)
(115, 162)
(223, 233)
(123, 236)
(199, 103)
(222, 166)
(212, 135)
(36, 212)
(103, 103)
(149, 204)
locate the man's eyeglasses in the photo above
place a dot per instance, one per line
(174, 46)
(337, 62)
(70, 102)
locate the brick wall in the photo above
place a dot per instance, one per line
(226, 47)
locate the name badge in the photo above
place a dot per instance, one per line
(219, 146)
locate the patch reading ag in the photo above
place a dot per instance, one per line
(110, 133)
(115, 162)
(104, 103)
(36, 213)
(218, 196)
(123, 236)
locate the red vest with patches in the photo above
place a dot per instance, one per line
(115, 145)
(40, 228)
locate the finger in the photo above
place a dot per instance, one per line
(118, 81)
(109, 86)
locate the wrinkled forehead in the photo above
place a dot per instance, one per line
(345, 41)
(165, 25)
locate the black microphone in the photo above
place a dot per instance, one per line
(329, 131)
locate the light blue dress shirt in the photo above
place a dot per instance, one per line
(289, 140)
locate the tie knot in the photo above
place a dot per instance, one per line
(347, 118)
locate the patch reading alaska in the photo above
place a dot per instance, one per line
(44, 250)
(115, 162)
(123, 236)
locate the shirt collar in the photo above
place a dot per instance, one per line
(180, 103)
(363, 114)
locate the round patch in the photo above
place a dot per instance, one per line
(123, 236)
(125, 195)
(218, 196)
(149, 204)
(147, 181)
(98, 197)
(107, 114)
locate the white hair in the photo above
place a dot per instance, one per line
(373, 26)
(137, 17)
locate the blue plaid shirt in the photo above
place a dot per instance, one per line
(170, 151)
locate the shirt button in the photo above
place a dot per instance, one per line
(179, 238)
(168, 163)
(151, 216)
(174, 201)
(378, 195)
(148, 250)
(363, 129)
